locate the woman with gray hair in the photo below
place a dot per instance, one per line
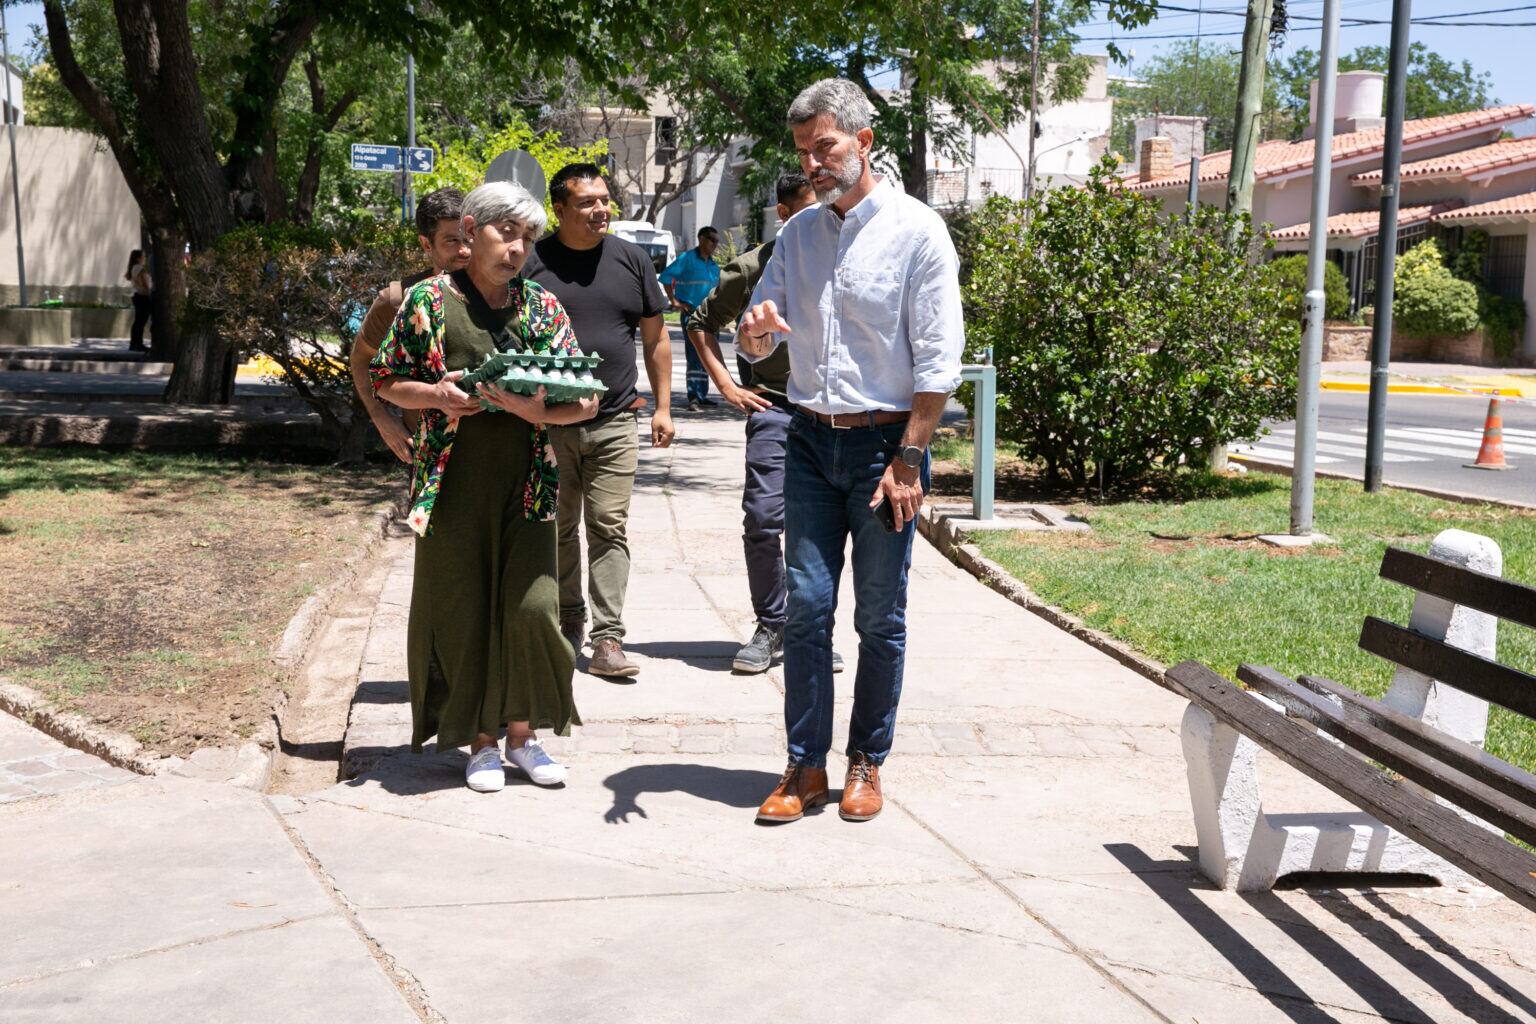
(484, 646)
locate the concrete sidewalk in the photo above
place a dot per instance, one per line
(1033, 862)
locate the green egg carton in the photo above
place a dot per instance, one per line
(564, 378)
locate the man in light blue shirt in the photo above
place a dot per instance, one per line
(865, 292)
(688, 280)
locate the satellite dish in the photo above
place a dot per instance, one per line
(519, 166)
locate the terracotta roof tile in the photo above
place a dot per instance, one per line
(1360, 223)
(1278, 156)
(1503, 153)
(1521, 206)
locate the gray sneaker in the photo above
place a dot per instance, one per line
(757, 654)
(837, 662)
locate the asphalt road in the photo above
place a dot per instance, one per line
(1430, 439)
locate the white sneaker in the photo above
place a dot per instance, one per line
(485, 774)
(540, 768)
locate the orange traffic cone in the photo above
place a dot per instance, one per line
(1491, 454)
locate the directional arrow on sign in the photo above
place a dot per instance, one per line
(422, 159)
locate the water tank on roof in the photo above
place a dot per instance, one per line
(1357, 104)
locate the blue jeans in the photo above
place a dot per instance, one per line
(698, 377)
(762, 507)
(830, 475)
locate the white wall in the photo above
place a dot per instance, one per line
(79, 220)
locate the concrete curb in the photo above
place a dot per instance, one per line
(1459, 497)
(951, 542)
(249, 765)
(1459, 391)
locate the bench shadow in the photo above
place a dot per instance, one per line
(1176, 882)
(741, 788)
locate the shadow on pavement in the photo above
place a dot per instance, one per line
(401, 773)
(735, 787)
(1175, 882)
(714, 655)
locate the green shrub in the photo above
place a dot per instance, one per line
(1428, 300)
(1503, 319)
(1125, 341)
(297, 295)
(1290, 273)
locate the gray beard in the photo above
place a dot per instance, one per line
(845, 182)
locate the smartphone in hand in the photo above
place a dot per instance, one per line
(884, 516)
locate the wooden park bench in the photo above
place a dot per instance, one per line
(1393, 758)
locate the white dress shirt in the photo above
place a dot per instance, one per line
(872, 300)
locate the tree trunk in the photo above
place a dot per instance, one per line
(166, 248)
(205, 373)
(914, 164)
(1250, 105)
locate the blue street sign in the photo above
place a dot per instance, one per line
(422, 159)
(368, 157)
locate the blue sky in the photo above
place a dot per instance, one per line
(1504, 52)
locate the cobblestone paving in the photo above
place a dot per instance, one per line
(33, 765)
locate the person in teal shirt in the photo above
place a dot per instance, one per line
(688, 279)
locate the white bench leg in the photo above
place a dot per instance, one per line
(1448, 709)
(1238, 848)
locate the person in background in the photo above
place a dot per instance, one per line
(763, 396)
(143, 298)
(865, 293)
(608, 286)
(437, 229)
(688, 279)
(483, 646)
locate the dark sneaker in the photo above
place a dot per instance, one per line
(837, 662)
(608, 660)
(575, 634)
(757, 654)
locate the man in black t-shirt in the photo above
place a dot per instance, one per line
(608, 287)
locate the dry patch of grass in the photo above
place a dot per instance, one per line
(147, 590)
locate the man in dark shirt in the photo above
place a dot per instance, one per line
(608, 287)
(762, 396)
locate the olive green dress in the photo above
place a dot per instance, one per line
(484, 645)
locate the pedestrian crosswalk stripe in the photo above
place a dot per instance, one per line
(1414, 443)
(1356, 449)
(1474, 437)
(1274, 455)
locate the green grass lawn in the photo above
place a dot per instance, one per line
(1225, 600)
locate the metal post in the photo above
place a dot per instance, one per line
(1193, 199)
(10, 118)
(1034, 103)
(983, 435)
(1311, 369)
(1386, 247)
(408, 179)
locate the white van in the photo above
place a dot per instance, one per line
(658, 243)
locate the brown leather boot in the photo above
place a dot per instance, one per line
(861, 790)
(801, 788)
(608, 660)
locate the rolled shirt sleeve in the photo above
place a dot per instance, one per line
(935, 323)
(770, 287)
(722, 306)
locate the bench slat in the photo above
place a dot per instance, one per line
(1485, 856)
(1459, 754)
(1495, 595)
(1504, 685)
(1509, 814)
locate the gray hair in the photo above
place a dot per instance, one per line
(850, 109)
(504, 200)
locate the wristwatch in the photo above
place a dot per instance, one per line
(911, 456)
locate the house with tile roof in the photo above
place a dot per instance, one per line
(1458, 172)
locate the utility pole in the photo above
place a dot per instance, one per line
(1250, 103)
(1034, 102)
(408, 177)
(10, 118)
(1310, 372)
(1386, 247)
